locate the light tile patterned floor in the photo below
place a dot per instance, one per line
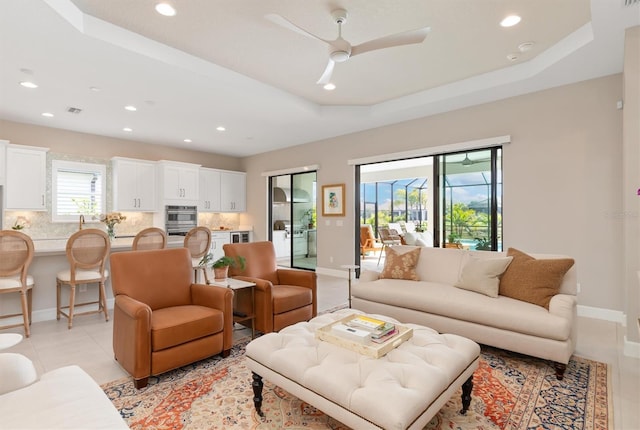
(88, 345)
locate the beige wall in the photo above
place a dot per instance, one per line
(631, 174)
(561, 176)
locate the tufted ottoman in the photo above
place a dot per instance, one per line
(402, 390)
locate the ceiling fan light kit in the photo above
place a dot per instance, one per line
(341, 50)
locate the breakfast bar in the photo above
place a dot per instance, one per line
(49, 259)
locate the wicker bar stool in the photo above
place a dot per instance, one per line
(198, 241)
(16, 254)
(150, 238)
(87, 252)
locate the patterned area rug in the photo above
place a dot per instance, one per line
(511, 391)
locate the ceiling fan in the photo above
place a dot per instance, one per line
(340, 50)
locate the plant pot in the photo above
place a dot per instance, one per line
(220, 272)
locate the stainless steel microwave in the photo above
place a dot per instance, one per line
(180, 219)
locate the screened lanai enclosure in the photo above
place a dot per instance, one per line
(456, 198)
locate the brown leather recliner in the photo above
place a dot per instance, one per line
(161, 319)
(282, 296)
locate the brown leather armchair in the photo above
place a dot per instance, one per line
(282, 296)
(161, 320)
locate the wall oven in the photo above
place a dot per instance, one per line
(180, 219)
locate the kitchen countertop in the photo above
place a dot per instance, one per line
(58, 246)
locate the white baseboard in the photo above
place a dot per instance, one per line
(602, 314)
(48, 314)
(337, 273)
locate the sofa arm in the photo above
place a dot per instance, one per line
(563, 305)
(16, 371)
(369, 275)
(300, 278)
(132, 335)
(216, 297)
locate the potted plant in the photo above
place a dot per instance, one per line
(221, 266)
(453, 241)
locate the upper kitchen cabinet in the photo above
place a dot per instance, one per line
(134, 185)
(179, 183)
(3, 161)
(26, 177)
(233, 191)
(209, 190)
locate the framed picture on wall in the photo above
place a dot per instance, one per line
(333, 200)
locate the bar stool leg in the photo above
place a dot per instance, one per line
(25, 312)
(72, 299)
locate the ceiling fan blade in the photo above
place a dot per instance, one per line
(326, 76)
(406, 38)
(284, 22)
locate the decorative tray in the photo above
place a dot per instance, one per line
(364, 346)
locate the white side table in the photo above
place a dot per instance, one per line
(7, 340)
(350, 267)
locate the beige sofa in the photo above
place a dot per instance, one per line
(435, 301)
(64, 398)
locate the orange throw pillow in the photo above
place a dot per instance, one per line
(531, 280)
(400, 266)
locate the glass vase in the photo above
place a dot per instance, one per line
(111, 232)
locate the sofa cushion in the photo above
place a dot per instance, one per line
(180, 324)
(482, 275)
(401, 264)
(531, 280)
(440, 264)
(448, 301)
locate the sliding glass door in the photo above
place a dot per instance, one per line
(293, 219)
(470, 189)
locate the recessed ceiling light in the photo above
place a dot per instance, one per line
(28, 84)
(512, 57)
(329, 86)
(127, 129)
(510, 21)
(131, 108)
(47, 114)
(187, 141)
(220, 128)
(525, 46)
(94, 89)
(165, 9)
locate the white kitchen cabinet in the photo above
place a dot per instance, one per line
(218, 239)
(209, 190)
(26, 177)
(281, 243)
(134, 185)
(3, 161)
(233, 191)
(179, 182)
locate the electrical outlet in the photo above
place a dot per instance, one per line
(82, 288)
(331, 259)
(579, 288)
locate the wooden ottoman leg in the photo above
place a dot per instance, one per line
(466, 395)
(559, 368)
(257, 392)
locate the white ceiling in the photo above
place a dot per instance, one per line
(222, 63)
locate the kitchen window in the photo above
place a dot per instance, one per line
(77, 189)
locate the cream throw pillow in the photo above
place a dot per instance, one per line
(400, 265)
(482, 275)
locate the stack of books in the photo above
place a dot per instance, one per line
(363, 328)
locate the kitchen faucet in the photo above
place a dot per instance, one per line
(81, 221)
